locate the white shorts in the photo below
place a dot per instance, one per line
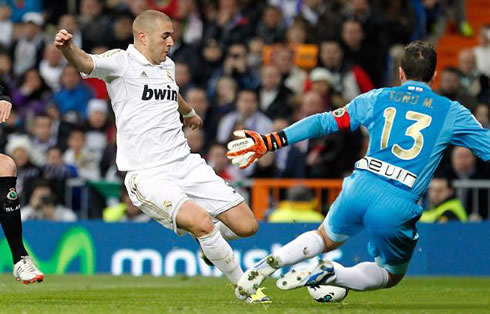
(160, 192)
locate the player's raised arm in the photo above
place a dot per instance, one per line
(76, 56)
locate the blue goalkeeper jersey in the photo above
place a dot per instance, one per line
(409, 127)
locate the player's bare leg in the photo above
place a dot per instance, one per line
(196, 220)
(237, 222)
(307, 245)
(24, 268)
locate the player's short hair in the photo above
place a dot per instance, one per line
(419, 61)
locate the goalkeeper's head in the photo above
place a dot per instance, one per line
(419, 62)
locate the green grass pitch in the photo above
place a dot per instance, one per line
(125, 294)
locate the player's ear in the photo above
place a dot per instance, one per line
(434, 76)
(401, 74)
(142, 38)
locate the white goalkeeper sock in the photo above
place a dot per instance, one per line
(219, 252)
(361, 277)
(307, 245)
(226, 232)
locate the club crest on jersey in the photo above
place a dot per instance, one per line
(12, 194)
(167, 205)
(339, 112)
(159, 94)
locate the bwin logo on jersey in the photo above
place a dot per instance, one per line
(159, 94)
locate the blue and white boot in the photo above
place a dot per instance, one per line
(307, 277)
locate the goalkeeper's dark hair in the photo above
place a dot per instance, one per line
(419, 61)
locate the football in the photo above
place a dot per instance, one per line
(328, 294)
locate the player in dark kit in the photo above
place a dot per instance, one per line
(24, 268)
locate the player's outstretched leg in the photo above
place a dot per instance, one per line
(361, 277)
(307, 245)
(24, 268)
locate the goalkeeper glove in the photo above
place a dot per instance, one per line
(251, 146)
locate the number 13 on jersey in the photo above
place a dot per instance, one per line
(421, 122)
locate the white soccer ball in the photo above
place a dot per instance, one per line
(328, 294)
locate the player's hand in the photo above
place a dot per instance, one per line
(194, 122)
(5, 108)
(63, 39)
(247, 149)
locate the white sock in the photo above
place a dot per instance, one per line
(226, 232)
(218, 251)
(361, 277)
(307, 245)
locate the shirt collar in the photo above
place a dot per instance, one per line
(139, 56)
(418, 84)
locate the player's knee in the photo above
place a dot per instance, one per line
(247, 228)
(7, 166)
(204, 225)
(393, 280)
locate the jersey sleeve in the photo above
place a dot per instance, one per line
(108, 65)
(469, 133)
(357, 112)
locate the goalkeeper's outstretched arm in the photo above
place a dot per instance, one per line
(252, 145)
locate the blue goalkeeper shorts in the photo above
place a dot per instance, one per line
(387, 213)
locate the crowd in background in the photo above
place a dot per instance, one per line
(242, 64)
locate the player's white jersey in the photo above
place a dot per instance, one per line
(144, 99)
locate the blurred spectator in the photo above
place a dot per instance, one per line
(271, 28)
(20, 148)
(350, 80)
(41, 138)
(183, 77)
(290, 160)
(475, 83)
(265, 167)
(70, 23)
(27, 51)
(190, 19)
(73, 95)
(297, 33)
(371, 20)
(229, 26)
(211, 55)
(124, 211)
(92, 21)
(181, 52)
(292, 76)
(451, 88)
(398, 22)
(444, 205)
(299, 207)
(12, 126)
(255, 54)
(322, 81)
(78, 155)
(57, 172)
(21, 8)
(247, 113)
(97, 127)
(464, 166)
(216, 159)
(482, 51)
(360, 51)
(235, 66)
(482, 114)
(51, 67)
(121, 32)
(273, 96)
(32, 96)
(6, 26)
(6, 77)
(195, 140)
(43, 205)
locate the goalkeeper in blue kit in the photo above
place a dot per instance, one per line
(409, 128)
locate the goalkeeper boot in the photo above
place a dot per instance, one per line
(253, 278)
(26, 271)
(259, 297)
(309, 277)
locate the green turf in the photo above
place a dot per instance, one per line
(125, 294)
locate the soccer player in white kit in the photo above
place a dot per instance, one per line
(166, 181)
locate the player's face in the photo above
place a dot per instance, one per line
(159, 41)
